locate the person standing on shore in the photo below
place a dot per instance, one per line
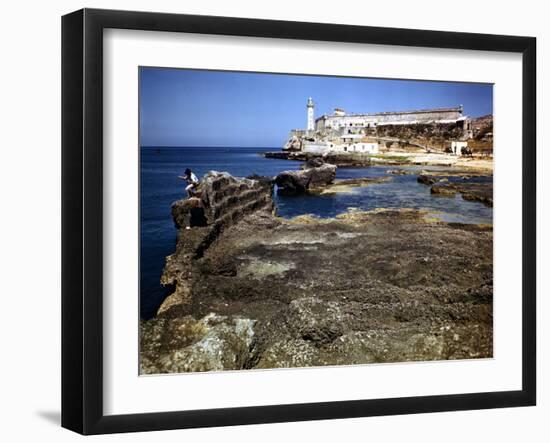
(192, 182)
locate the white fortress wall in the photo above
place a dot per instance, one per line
(446, 115)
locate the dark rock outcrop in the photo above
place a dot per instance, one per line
(426, 179)
(300, 182)
(443, 190)
(281, 155)
(480, 192)
(314, 162)
(398, 172)
(449, 183)
(340, 159)
(189, 212)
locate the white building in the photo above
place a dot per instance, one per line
(358, 147)
(345, 141)
(457, 146)
(345, 132)
(350, 123)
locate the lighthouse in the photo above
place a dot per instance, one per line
(310, 118)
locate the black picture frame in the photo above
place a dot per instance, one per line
(82, 218)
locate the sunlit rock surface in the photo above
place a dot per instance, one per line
(183, 344)
(260, 291)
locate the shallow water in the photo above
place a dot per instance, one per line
(403, 191)
(159, 187)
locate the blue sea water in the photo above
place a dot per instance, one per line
(159, 187)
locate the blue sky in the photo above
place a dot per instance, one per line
(180, 107)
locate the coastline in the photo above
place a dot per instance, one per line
(391, 158)
(253, 290)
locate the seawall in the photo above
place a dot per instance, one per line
(221, 201)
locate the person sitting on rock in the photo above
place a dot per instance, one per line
(192, 182)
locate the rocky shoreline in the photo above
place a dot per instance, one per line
(440, 185)
(390, 158)
(252, 290)
(341, 160)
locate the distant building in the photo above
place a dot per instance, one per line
(323, 146)
(352, 122)
(343, 132)
(457, 147)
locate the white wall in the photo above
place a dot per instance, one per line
(457, 146)
(30, 234)
(371, 148)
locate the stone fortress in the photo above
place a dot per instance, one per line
(364, 133)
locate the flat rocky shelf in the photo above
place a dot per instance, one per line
(252, 290)
(346, 186)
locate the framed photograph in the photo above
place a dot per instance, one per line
(269, 221)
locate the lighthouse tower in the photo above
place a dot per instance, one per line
(310, 118)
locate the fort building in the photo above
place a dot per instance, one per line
(340, 119)
(349, 132)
